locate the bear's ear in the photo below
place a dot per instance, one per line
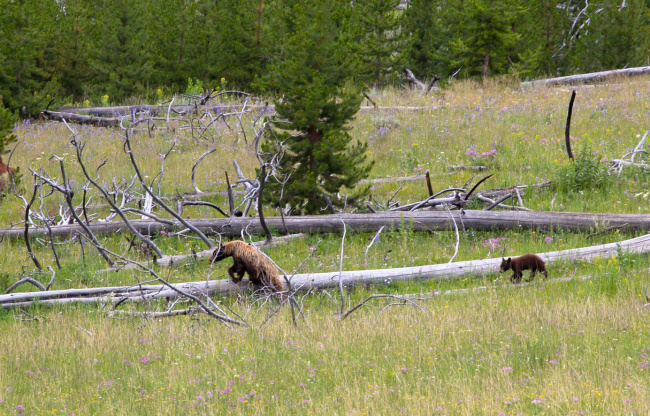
(509, 259)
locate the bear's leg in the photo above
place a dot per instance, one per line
(232, 270)
(241, 271)
(532, 275)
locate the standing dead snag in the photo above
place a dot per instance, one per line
(567, 129)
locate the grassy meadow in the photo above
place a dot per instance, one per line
(575, 346)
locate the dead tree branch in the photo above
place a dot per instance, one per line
(567, 136)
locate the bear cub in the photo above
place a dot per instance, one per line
(246, 259)
(525, 262)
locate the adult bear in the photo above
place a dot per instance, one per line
(246, 259)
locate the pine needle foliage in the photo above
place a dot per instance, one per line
(318, 101)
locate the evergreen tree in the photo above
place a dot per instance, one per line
(614, 35)
(241, 53)
(541, 28)
(7, 122)
(379, 43)
(171, 32)
(488, 39)
(121, 59)
(67, 57)
(313, 80)
(203, 41)
(21, 78)
(432, 24)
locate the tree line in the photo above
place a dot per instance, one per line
(79, 50)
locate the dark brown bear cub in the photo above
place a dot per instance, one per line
(525, 262)
(247, 259)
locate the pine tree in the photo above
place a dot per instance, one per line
(67, 56)
(431, 25)
(379, 43)
(241, 54)
(121, 58)
(21, 78)
(487, 39)
(172, 30)
(614, 35)
(319, 104)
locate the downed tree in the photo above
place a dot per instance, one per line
(196, 109)
(81, 119)
(591, 77)
(476, 268)
(153, 109)
(419, 221)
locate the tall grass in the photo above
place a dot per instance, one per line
(544, 349)
(554, 347)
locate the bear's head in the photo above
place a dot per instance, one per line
(506, 264)
(220, 253)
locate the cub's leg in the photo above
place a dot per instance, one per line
(518, 276)
(532, 275)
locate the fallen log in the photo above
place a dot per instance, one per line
(395, 179)
(199, 109)
(419, 221)
(119, 111)
(447, 271)
(81, 119)
(591, 77)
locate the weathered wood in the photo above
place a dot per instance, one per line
(395, 179)
(421, 221)
(81, 119)
(200, 109)
(567, 129)
(447, 271)
(591, 77)
(476, 268)
(154, 109)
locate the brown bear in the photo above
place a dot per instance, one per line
(525, 262)
(246, 259)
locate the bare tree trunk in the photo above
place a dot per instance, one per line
(422, 221)
(308, 281)
(591, 77)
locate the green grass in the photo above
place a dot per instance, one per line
(552, 347)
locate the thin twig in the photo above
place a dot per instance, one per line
(457, 235)
(341, 271)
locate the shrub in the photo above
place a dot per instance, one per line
(585, 173)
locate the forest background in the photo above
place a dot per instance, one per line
(135, 51)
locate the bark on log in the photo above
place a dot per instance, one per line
(154, 109)
(591, 77)
(76, 118)
(421, 221)
(306, 281)
(183, 109)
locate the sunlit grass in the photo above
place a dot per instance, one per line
(553, 348)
